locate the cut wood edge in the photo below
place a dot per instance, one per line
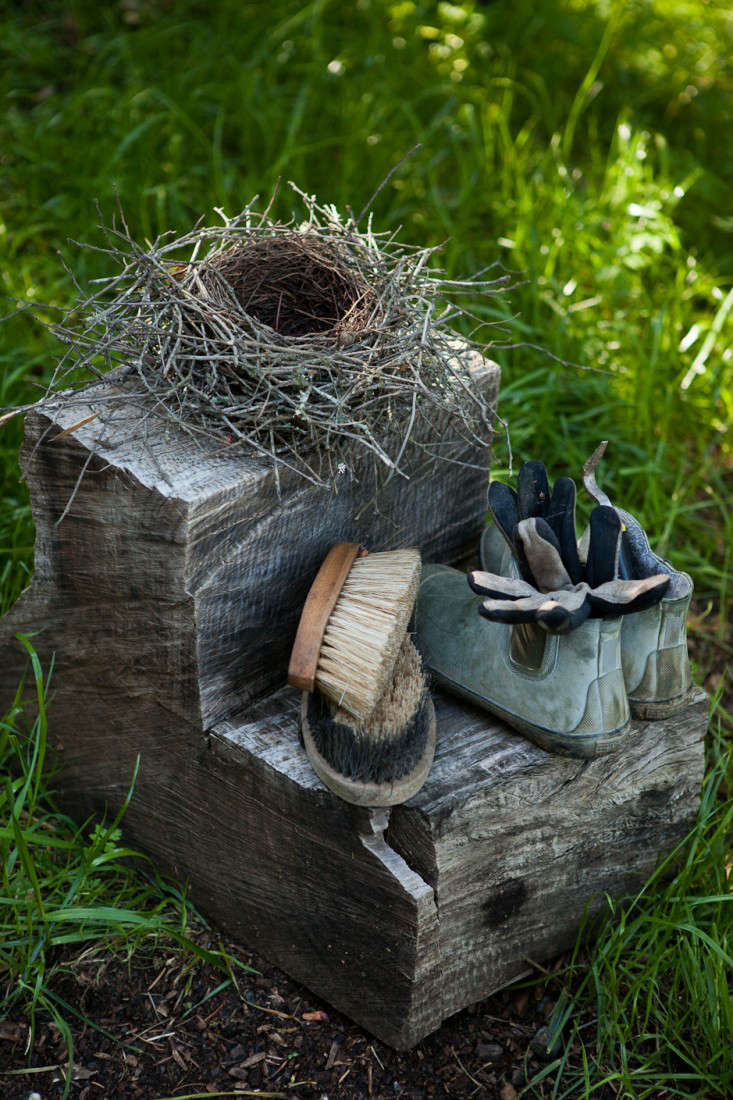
(74, 427)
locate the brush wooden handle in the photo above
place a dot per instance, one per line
(317, 609)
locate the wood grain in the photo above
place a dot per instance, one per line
(516, 842)
(227, 546)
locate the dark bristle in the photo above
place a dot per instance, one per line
(356, 756)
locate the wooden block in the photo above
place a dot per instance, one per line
(170, 595)
(401, 919)
(516, 842)
(179, 575)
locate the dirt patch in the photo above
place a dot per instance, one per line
(162, 1029)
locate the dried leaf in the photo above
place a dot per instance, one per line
(254, 1059)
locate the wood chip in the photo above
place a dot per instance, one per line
(178, 1058)
(332, 1054)
(254, 1059)
(80, 1074)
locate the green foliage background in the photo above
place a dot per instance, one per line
(585, 144)
(582, 144)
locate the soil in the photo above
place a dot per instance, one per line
(163, 1028)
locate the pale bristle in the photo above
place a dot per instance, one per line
(366, 630)
(398, 703)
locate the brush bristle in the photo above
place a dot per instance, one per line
(392, 742)
(366, 630)
(399, 701)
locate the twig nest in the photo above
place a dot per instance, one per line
(305, 345)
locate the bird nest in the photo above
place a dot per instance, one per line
(290, 342)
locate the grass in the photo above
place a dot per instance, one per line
(584, 144)
(540, 158)
(68, 888)
(652, 986)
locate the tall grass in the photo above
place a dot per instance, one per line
(647, 1011)
(561, 139)
(67, 887)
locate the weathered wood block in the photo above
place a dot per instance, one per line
(399, 919)
(170, 595)
(176, 579)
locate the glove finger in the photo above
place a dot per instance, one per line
(533, 490)
(559, 619)
(624, 568)
(512, 611)
(499, 588)
(620, 597)
(557, 613)
(604, 546)
(503, 508)
(641, 559)
(561, 518)
(542, 553)
(507, 612)
(521, 559)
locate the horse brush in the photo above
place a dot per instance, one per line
(367, 719)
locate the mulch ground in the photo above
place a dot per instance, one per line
(161, 1029)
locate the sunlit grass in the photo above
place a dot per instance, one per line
(585, 145)
(647, 1009)
(532, 154)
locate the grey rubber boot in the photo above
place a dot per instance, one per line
(495, 554)
(653, 642)
(564, 692)
(654, 647)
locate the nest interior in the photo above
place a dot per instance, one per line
(295, 284)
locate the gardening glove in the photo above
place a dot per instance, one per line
(534, 499)
(636, 558)
(557, 589)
